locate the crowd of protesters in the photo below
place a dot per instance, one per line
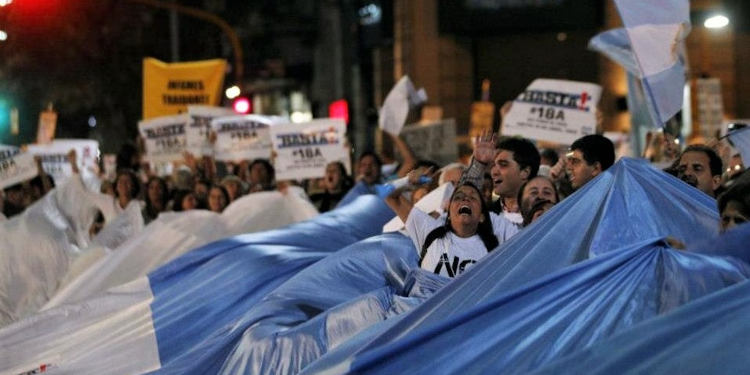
(508, 184)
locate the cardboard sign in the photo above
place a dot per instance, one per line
(165, 137)
(243, 137)
(55, 156)
(397, 103)
(436, 141)
(554, 110)
(199, 128)
(15, 167)
(168, 89)
(303, 150)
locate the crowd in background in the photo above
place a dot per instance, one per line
(514, 178)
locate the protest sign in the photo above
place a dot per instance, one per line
(709, 107)
(55, 156)
(165, 137)
(198, 132)
(554, 110)
(15, 167)
(436, 141)
(243, 137)
(303, 150)
(168, 89)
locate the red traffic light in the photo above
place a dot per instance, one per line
(242, 105)
(339, 109)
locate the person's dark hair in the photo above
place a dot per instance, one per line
(223, 191)
(524, 153)
(178, 197)
(538, 205)
(164, 196)
(523, 186)
(714, 161)
(550, 155)
(37, 182)
(485, 230)
(346, 180)
(374, 156)
(135, 185)
(596, 148)
(740, 193)
(267, 165)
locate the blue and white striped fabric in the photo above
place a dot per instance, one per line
(185, 317)
(650, 47)
(740, 138)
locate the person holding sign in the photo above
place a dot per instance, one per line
(469, 232)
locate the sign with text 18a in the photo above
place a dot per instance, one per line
(243, 137)
(303, 150)
(15, 167)
(55, 156)
(554, 110)
(165, 137)
(199, 128)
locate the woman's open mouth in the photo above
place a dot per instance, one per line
(464, 210)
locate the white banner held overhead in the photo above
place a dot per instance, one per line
(55, 156)
(243, 137)
(199, 128)
(303, 150)
(554, 110)
(15, 167)
(164, 137)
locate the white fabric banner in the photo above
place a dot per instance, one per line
(55, 156)
(243, 137)
(303, 150)
(165, 138)
(199, 128)
(554, 110)
(15, 167)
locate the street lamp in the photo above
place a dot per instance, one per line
(716, 22)
(3, 35)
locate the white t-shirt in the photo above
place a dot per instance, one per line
(452, 255)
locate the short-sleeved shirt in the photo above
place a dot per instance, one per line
(452, 255)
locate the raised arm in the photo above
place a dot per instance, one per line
(409, 160)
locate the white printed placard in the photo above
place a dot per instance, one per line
(243, 137)
(15, 167)
(199, 128)
(164, 137)
(303, 150)
(554, 110)
(55, 156)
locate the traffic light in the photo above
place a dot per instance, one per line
(242, 105)
(339, 109)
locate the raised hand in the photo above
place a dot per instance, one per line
(484, 147)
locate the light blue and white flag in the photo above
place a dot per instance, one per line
(650, 47)
(740, 138)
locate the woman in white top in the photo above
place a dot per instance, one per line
(469, 232)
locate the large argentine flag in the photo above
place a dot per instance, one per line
(650, 47)
(185, 317)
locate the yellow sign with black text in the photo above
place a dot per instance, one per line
(169, 88)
